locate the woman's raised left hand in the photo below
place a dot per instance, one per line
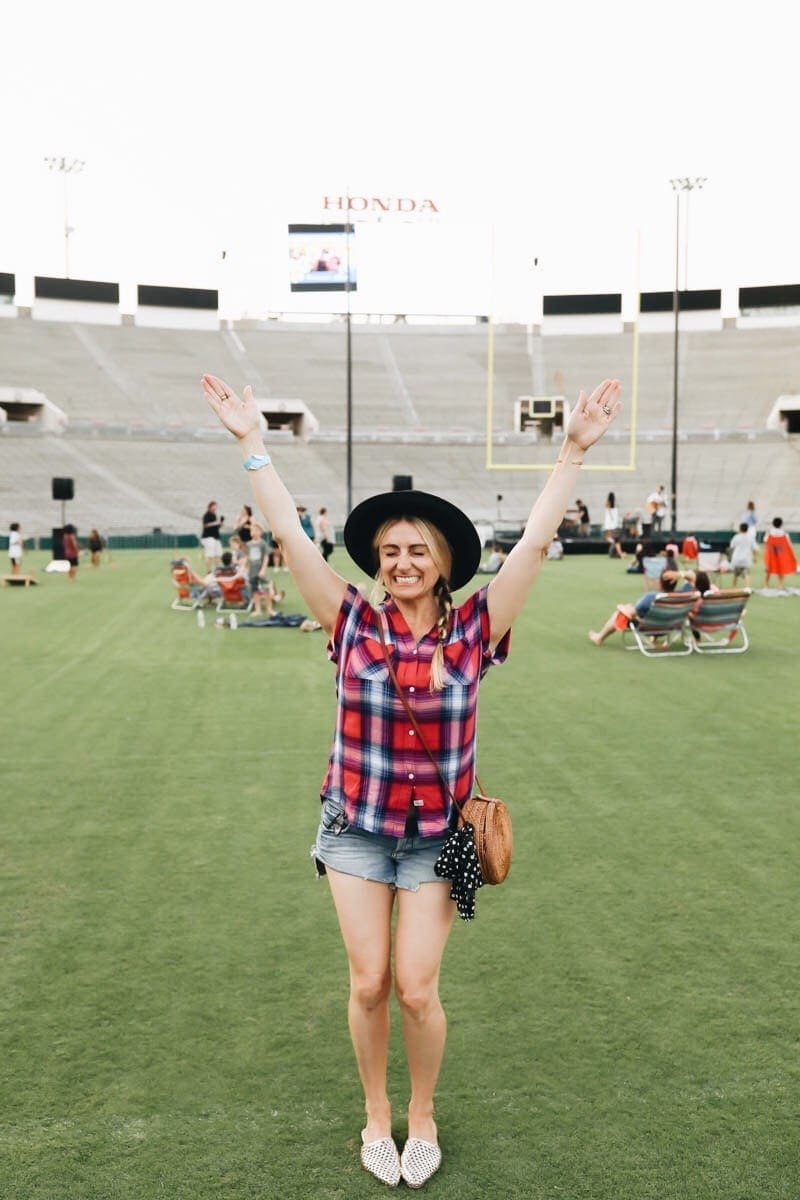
(593, 414)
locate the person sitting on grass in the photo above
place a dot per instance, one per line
(643, 550)
(495, 560)
(625, 614)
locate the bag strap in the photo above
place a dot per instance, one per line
(415, 722)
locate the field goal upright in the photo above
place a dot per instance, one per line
(548, 416)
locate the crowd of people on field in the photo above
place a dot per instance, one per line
(67, 554)
(245, 570)
(735, 560)
(669, 567)
(253, 555)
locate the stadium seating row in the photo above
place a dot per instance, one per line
(419, 404)
(404, 377)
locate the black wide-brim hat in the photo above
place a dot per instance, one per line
(368, 516)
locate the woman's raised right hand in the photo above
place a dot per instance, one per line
(240, 416)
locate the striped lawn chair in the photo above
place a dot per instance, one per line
(663, 632)
(717, 626)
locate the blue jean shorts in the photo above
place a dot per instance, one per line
(400, 862)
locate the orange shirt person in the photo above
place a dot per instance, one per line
(779, 555)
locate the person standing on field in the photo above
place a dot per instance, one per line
(385, 813)
(210, 537)
(15, 548)
(324, 534)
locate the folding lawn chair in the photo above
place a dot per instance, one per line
(235, 594)
(186, 591)
(714, 564)
(652, 566)
(709, 561)
(663, 632)
(718, 627)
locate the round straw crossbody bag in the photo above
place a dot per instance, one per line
(494, 841)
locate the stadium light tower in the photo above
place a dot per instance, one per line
(66, 167)
(685, 184)
(349, 354)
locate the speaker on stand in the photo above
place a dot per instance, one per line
(63, 489)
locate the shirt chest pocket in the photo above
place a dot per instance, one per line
(366, 663)
(459, 668)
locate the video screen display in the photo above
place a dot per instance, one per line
(319, 256)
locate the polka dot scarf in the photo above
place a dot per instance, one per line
(459, 861)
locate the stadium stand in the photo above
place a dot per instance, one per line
(419, 408)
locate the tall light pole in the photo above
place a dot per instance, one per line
(684, 184)
(348, 229)
(66, 167)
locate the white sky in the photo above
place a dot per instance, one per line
(546, 131)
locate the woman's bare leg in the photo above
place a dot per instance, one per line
(364, 909)
(424, 920)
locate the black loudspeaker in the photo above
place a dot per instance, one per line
(402, 483)
(58, 543)
(63, 489)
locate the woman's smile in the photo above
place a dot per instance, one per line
(406, 562)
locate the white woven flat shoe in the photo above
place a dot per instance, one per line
(419, 1161)
(381, 1159)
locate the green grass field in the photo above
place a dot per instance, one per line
(624, 1011)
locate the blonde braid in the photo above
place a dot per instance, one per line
(445, 602)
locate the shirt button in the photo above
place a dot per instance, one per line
(414, 651)
(411, 733)
(411, 689)
(410, 774)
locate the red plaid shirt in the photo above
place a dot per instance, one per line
(377, 767)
